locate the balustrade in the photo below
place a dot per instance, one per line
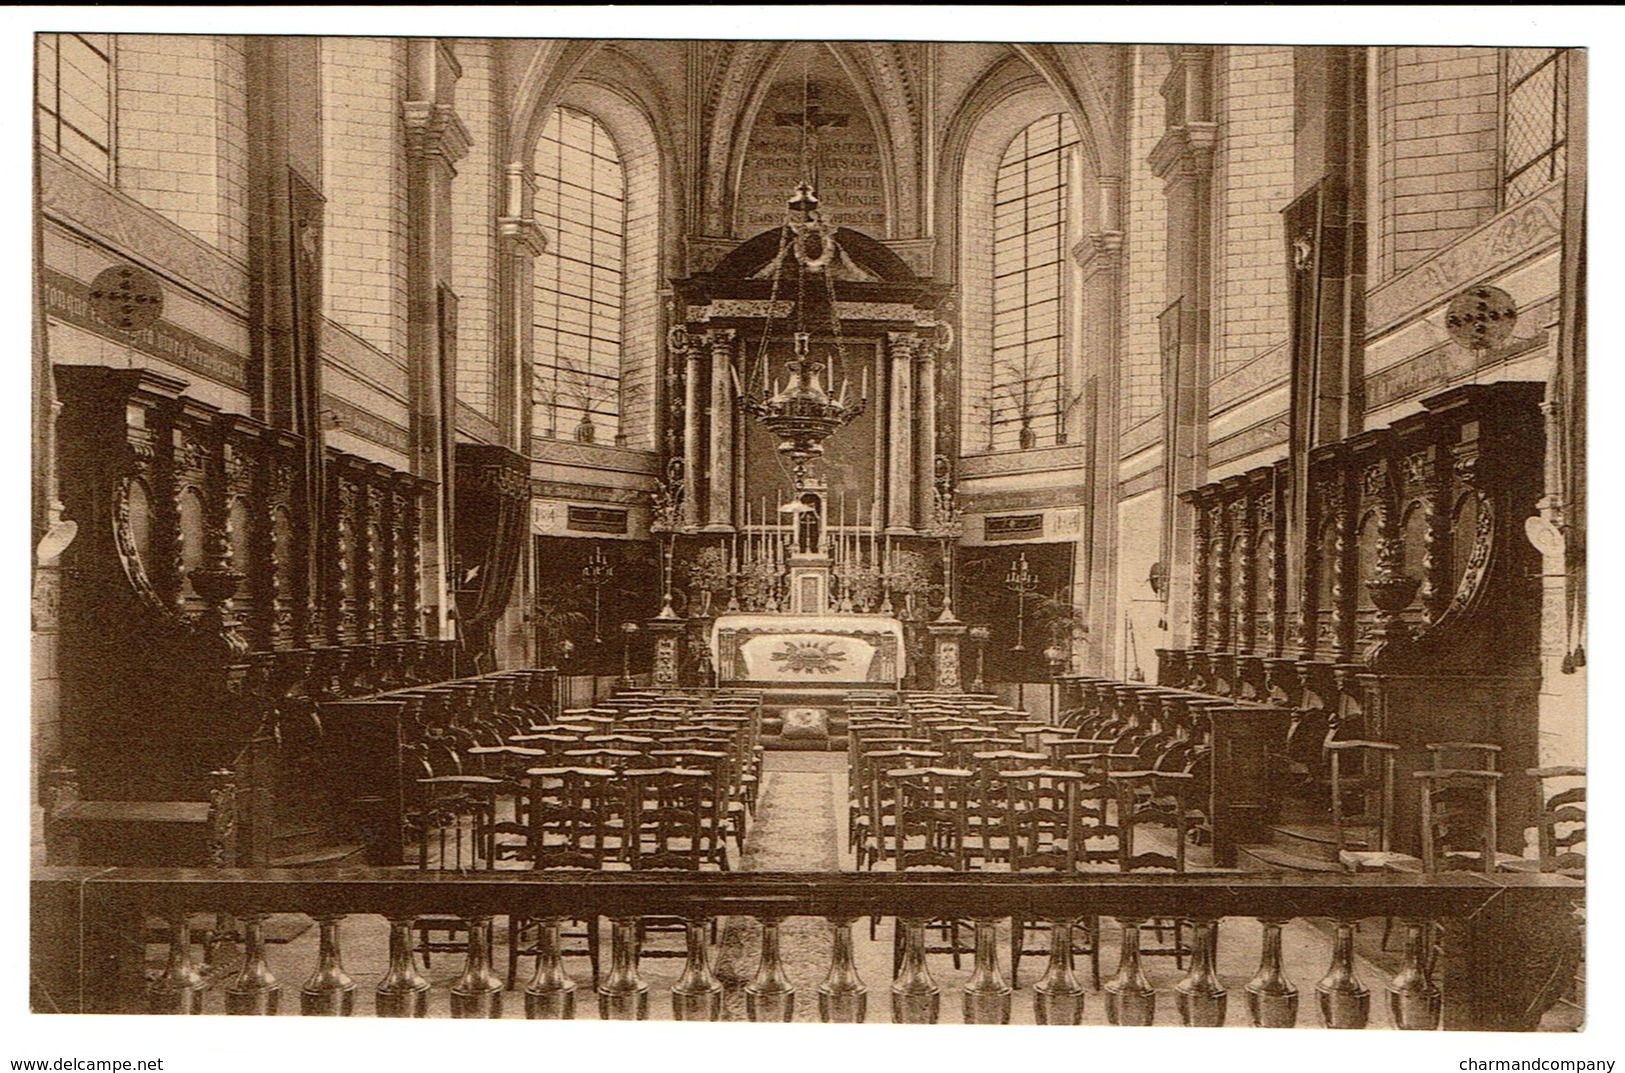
(1490, 970)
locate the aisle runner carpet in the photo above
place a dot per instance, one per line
(794, 832)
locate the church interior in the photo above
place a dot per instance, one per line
(803, 530)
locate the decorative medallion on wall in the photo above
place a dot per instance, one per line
(1481, 317)
(127, 297)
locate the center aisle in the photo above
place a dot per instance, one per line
(797, 829)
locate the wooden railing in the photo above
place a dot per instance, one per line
(1482, 952)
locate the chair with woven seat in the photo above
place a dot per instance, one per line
(1560, 827)
(455, 834)
(578, 824)
(1362, 775)
(721, 814)
(1044, 827)
(931, 805)
(876, 825)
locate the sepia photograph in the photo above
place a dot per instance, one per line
(893, 526)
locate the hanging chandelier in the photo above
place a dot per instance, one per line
(798, 407)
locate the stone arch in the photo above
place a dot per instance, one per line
(1091, 115)
(747, 75)
(736, 84)
(554, 65)
(1009, 77)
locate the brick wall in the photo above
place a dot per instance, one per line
(475, 201)
(182, 140)
(1146, 222)
(1252, 183)
(1438, 156)
(364, 181)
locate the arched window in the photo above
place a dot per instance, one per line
(578, 301)
(1030, 221)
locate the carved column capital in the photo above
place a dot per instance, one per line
(433, 132)
(1101, 251)
(1184, 152)
(521, 236)
(902, 344)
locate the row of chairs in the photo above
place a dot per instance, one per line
(965, 784)
(639, 782)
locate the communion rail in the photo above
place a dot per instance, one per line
(1486, 952)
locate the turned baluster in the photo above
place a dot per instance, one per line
(179, 988)
(329, 992)
(622, 994)
(769, 996)
(697, 994)
(1413, 998)
(842, 998)
(1058, 996)
(1344, 1000)
(254, 991)
(915, 999)
(478, 991)
(551, 994)
(1272, 1001)
(403, 992)
(1130, 998)
(1201, 995)
(987, 996)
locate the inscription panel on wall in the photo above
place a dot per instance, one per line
(850, 183)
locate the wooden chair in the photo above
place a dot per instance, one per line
(929, 836)
(1044, 827)
(577, 823)
(455, 825)
(1363, 771)
(1560, 830)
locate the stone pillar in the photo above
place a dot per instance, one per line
(946, 640)
(925, 469)
(691, 435)
(1183, 160)
(520, 240)
(668, 660)
(900, 349)
(719, 517)
(1100, 259)
(435, 141)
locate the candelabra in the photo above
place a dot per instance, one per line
(596, 574)
(1023, 581)
(947, 526)
(798, 409)
(665, 513)
(847, 575)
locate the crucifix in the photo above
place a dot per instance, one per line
(811, 119)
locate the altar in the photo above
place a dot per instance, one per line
(808, 650)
